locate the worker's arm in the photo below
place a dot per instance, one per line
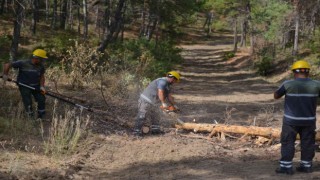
(171, 99)
(276, 96)
(42, 80)
(172, 102)
(162, 97)
(6, 68)
(42, 88)
(281, 91)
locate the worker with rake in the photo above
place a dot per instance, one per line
(31, 75)
(300, 105)
(158, 93)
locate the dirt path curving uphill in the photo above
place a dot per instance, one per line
(212, 90)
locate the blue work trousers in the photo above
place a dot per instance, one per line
(288, 138)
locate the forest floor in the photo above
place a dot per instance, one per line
(212, 90)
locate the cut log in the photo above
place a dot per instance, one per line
(267, 132)
(145, 129)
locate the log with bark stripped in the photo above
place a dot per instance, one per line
(267, 132)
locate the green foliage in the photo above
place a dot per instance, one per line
(175, 13)
(59, 43)
(5, 42)
(220, 25)
(314, 43)
(264, 65)
(269, 18)
(145, 58)
(228, 55)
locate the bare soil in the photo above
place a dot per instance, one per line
(213, 90)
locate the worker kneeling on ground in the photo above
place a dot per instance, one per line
(31, 73)
(301, 96)
(158, 93)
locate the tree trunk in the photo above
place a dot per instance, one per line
(2, 5)
(158, 31)
(251, 29)
(143, 19)
(267, 132)
(152, 29)
(47, 9)
(235, 36)
(16, 31)
(35, 7)
(85, 19)
(63, 15)
(284, 40)
(296, 37)
(70, 14)
(252, 43)
(106, 19)
(123, 22)
(113, 27)
(243, 40)
(79, 18)
(54, 14)
(97, 21)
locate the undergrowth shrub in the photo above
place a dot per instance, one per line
(59, 41)
(80, 63)
(228, 55)
(65, 132)
(264, 64)
(314, 43)
(15, 125)
(4, 46)
(146, 58)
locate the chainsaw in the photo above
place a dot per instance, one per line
(169, 109)
(171, 113)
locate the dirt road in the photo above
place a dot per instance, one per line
(212, 90)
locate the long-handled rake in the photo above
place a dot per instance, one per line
(52, 95)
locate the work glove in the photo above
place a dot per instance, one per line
(176, 107)
(164, 105)
(5, 78)
(43, 90)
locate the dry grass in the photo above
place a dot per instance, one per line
(228, 114)
(65, 132)
(97, 86)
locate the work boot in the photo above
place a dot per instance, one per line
(137, 133)
(30, 115)
(304, 169)
(283, 170)
(155, 129)
(41, 114)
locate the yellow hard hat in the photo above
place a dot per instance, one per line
(40, 53)
(301, 64)
(174, 74)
